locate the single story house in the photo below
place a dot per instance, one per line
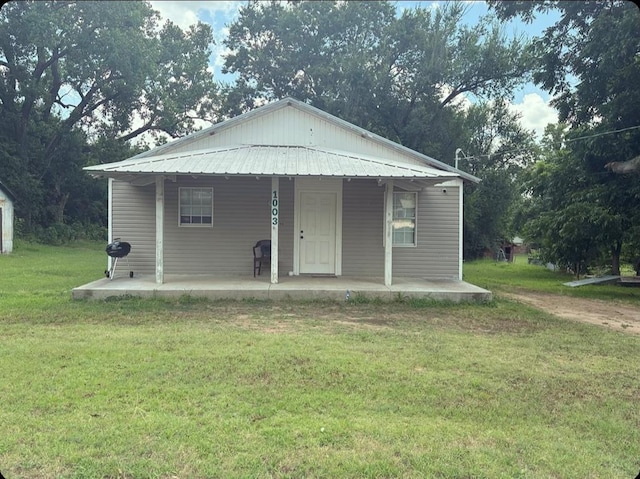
(7, 199)
(334, 199)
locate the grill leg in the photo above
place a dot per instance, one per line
(112, 271)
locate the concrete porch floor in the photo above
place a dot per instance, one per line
(297, 287)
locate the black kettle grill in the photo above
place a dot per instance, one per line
(117, 249)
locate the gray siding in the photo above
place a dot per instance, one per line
(362, 228)
(436, 254)
(241, 216)
(134, 221)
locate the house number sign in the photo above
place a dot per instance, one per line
(274, 207)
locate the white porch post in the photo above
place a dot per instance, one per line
(109, 219)
(159, 229)
(275, 209)
(388, 234)
(460, 227)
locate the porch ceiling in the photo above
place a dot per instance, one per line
(267, 160)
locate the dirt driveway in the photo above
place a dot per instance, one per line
(609, 314)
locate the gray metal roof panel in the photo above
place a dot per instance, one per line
(266, 160)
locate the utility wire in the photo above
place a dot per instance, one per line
(477, 157)
(600, 134)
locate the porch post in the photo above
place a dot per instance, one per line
(388, 234)
(460, 227)
(109, 219)
(159, 229)
(275, 209)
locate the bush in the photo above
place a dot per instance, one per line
(60, 233)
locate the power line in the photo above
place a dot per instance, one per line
(477, 157)
(603, 133)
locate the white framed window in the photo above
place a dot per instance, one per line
(404, 218)
(195, 207)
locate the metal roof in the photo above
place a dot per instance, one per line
(267, 160)
(292, 102)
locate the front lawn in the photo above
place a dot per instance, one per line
(136, 388)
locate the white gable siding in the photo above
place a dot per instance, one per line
(436, 253)
(290, 126)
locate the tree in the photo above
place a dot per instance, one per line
(399, 76)
(73, 71)
(572, 209)
(495, 147)
(589, 61)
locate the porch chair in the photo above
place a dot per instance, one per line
(261, 255)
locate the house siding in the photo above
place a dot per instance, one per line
(238, 223)
(134, 221)
(362, 228)
(225, 248)
(436, 254)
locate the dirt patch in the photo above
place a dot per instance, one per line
(609, 314)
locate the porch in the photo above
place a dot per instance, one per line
(294, 288)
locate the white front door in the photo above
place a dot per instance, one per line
(317, 232)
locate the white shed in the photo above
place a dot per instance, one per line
(6, 219)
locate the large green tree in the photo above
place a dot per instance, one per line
(496, 148)
(399, 76)
(569, 208)
(589, 62)
(74, 72)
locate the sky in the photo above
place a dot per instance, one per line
(529, 101)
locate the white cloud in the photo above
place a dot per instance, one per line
(219, 14)
(535, 113)
(186, 13)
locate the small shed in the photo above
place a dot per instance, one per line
(7, 199)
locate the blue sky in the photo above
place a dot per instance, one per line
(530, 101)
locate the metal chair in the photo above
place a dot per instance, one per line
(261, 255)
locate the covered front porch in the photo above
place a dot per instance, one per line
(288, 288)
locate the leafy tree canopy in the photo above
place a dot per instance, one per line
(73, 72)
(399, 76)
(589, 62)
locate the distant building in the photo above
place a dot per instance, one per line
(6, 219)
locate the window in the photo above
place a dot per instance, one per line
(404, 219)
(196, 206)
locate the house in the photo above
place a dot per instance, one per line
(7, 199)
(336, 201)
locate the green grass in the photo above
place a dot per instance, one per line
(134, 388)
(503, 276)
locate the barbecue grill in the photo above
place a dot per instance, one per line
(118, 249)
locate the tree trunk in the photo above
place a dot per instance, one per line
(615, 258)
